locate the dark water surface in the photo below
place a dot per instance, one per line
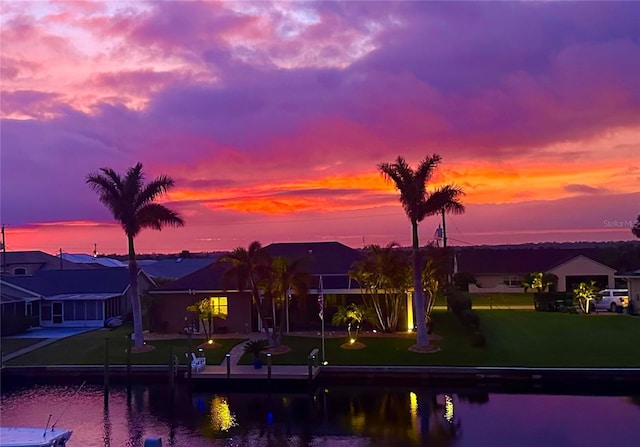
(335, 417)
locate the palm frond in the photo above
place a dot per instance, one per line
(156, 216)
(153, 190)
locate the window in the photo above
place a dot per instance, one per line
(218, 305)
(512, 281)
(19, 271)
(91, 310)
(68, 311)
(46, 311)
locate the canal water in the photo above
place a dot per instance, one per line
(335, 417)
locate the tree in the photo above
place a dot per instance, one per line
(384, 276)
(207, 310)
(636, 227)
(419, 203)
(352, 315)
(132, 203)
(539, 281)
(247, 267)
(586, 293)
(286, 278)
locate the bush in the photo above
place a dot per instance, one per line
(458, 301)
(551, 301)
(13, 324)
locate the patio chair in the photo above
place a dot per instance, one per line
(197, 363)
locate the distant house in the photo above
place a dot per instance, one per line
(72, 298)
(30, 262)
(330, 261)
(82, 258)
(633, 285)
(504, 270)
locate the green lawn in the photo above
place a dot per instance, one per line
(514, 338)
(9, 345)
(500, 300)
(89, 348)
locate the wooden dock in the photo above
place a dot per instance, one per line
(243, 372)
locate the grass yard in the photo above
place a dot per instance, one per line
(498, 300)
(10, 345)
(514, 338)
(88, 349)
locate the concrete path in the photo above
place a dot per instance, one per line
(238, 350)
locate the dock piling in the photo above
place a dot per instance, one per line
(269, 367)
(228, 358)
(129, 357)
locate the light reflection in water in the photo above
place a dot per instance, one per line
(448, 408)
(220, 416)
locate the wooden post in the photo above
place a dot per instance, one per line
(129, 357)
(106, 362)
(269, 367)
(171, 372)
(189, 350)
(228, 357)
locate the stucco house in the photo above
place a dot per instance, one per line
(72, 298)
(330, 261)
(503, 270)
(30, 262)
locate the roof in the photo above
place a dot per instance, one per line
(82, 296)
(56, 282)
(81, 258)
(322, 257)
(46, 261)
(175, 268)
(209, 277)
(485, 261)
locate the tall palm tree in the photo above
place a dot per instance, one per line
(248, 265)
(287, 277)
(419, 203)
(132, 203)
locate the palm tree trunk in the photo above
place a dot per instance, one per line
(418, 295)
(138, 338)
(281, 323)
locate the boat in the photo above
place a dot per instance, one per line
(33, 437)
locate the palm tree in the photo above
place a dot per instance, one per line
(248, 266)
(287, 278)
(132, 204)
(384, 276)
(586, 293)
(419, 203)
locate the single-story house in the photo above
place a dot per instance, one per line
(174, 268)
(73, 298)
(633, 285)
(504, 270)
(30, 262)
(328, 262)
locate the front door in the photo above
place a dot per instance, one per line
(56, 312)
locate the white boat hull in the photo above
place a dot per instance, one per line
(33, 437)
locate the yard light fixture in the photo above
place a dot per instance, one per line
(352, 341)
(210, 341)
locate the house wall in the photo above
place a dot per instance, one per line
(496, 284)
(633, 284)
(173, 315)
(581, 266)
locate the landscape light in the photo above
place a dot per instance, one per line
(210, 341)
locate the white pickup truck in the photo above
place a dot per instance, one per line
(612, 299)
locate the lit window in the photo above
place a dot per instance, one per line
(218, 305)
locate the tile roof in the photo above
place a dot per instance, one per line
(55, 282)
(517, 260)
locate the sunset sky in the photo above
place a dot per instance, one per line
(272, 116)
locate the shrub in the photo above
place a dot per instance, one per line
(458, 301)
(551, 301)
(13, 324)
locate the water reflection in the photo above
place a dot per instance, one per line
(342, 417)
